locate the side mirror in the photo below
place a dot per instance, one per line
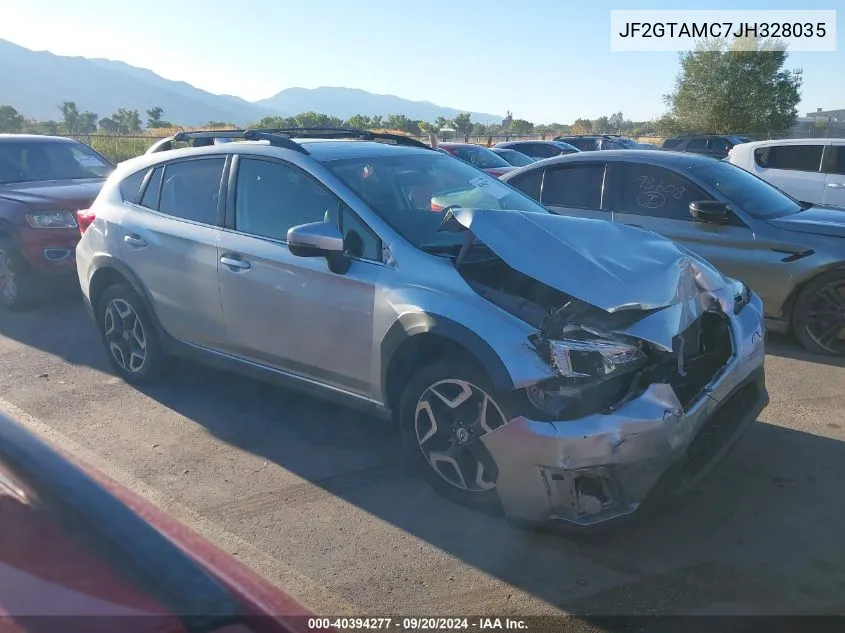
(710, 211)
(316, 239)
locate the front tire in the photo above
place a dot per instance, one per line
(129, 335)
(819, 317)
(18, 284)
(445, 410)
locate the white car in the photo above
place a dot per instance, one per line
(808, 169)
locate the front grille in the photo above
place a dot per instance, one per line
(719, 429)
(706, 347)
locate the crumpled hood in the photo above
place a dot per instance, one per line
(819, 220)
(61, 194)
(611, 266)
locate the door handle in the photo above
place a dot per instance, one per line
(835, 185)
(135, 240)
(234, 262)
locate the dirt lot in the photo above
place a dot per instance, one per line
(310, 496)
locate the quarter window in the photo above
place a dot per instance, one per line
(577, 187)
(131, 186)
(191, 189)
(153, 189)
(790, 157)
(838, 166)
(652, 191)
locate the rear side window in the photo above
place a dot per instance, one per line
(790, 157)
(131, 186)
(671, 143)
(191, 189)
(578, 187)
(719, 145)
(584, 144)
(544, 150)
(697, 144)
(529, 183)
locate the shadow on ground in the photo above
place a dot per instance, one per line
(765, 529)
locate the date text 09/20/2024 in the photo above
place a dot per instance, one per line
(416, 624)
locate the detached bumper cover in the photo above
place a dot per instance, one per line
(604, 467)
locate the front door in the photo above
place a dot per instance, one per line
(293, 313)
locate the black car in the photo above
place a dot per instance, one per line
(715, 145)
(595, 142)
(539, 150)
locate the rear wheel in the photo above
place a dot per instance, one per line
(18, 284)
(446, 409)
(129, 335)
(819, 317)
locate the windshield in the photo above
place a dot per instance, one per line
(515, 158)
(756, 197)
(33, 161)
(411, 191)
(481, 157)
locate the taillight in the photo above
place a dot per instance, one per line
(84, 218)
(436, 207)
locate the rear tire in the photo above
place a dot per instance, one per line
(442, 415)
(19, 288)
(129, 335)
(818, 319)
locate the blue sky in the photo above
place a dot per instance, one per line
(545, 60)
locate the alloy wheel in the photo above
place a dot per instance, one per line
(450, 418)
(8, 278)
(825, 321)
(125, 336)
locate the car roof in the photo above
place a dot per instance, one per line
(35, 138)
(665, 158)
(793, 141)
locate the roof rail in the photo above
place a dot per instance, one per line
(272, 136)
(343, 132)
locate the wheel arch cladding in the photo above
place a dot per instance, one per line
(425, 337)
(110, 271)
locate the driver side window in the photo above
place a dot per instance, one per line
(271, 198)
(652, 191)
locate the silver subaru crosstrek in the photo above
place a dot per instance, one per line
(564, 370)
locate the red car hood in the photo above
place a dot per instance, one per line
(499, 171)
(64, 553)
(68, 195)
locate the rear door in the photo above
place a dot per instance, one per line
(658, 199)
(834, 190)
(169, 240)
(793, 168)
(293, 313)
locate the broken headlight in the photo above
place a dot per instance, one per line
(593, 358)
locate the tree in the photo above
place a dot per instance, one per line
(10, 120)
(359, 122)
(70, 115)
(582, 126)
(403, 124)
(377, 121)
(217, 125)
(316, 119)
(601, 125)
(521, 127)
(739, 87)
(128, 121)
(86, 123)
(462, 124)
(109, 125)
(442, 122)
(154, 116)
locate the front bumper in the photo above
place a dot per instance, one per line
(588, 473)
(50, 251)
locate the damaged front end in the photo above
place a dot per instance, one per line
(633, 380)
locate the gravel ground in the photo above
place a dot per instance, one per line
(309, 495)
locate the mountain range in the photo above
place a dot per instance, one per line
(36, 82)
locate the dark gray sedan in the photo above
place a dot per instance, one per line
(790, 253)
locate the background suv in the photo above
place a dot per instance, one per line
(714, 145)
(44, 181)
(599, 142)
(383, 274)
(809, 169)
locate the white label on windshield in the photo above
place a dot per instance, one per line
(89, 161)
(490, 186)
